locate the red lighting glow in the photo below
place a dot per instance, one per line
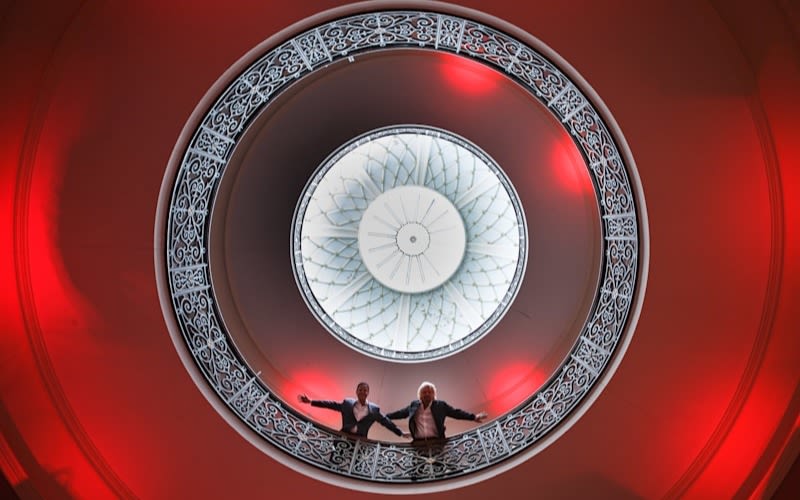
(568, 168)
(316, 385)
(468, 77)
(511, 386)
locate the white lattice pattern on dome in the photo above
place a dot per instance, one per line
(410, 243)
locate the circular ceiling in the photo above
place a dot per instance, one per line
(88, 330)
(408, 243)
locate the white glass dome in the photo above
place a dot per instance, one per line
(409, 243)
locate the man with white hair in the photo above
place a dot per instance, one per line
(426, 415)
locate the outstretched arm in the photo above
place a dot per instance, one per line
(402, 413)
(464, 415)
(331, 405)
(384, 420)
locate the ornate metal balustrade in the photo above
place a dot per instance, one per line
(187, 241)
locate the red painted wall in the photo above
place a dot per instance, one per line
(95, 401)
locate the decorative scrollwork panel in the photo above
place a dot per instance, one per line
(187, 241)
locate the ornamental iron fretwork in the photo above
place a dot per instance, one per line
(187, 241)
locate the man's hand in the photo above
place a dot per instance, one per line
(303, 398)
(480, 417)
(407, 435)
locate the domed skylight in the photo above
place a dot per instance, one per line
(409, 243)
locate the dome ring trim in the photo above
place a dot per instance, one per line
(191, 308)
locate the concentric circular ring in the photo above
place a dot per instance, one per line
(510, 437)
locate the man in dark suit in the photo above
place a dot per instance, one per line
(358, 414)
(426, 415)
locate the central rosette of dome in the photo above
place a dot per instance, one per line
(409, 243)
(411, 239)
